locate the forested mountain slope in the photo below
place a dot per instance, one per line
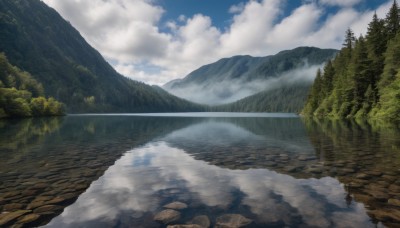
(37, 39)
(231, 79)
(285, 98)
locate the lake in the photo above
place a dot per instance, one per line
(204, 169)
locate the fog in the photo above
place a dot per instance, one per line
(230, 90)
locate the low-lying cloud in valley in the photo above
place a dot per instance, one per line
(227, 91)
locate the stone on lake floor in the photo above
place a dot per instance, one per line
(185, 226)
(42, 198)
(9, 217)
(47, 208)
(40, 186)
(201, 220)
(394, 188)
(13, 206)
(167, 216)
(56, 200)
(394, 202)
(316, 170)
(306, 158)
(363, 176)
(374, 173)
(291, 169)
(378, 195)
(385, 215)
(28, 218)
(232, 221)
(35, 204)
(176, 205)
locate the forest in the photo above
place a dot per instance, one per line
(363, 80)
(289, 97)
(22, 96)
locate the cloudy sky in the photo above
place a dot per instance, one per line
(155, 41)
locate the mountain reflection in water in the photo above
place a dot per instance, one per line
(274, 171)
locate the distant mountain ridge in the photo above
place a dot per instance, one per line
(231, 79)
(37, 39)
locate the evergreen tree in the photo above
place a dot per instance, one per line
(392, 63)
(392, 21)
(366, 75)
(349, 39)
(329, 73)
(362, 75)
(376, 42)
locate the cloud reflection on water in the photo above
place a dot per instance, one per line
(168, 169)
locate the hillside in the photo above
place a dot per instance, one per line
(37, 39)
(363, 81)
(231, 79)
(286, 98)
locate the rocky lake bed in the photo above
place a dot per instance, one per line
(197, 172)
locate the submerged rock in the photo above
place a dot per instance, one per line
(9, 217)
(176, 205)
(232, 221)
(202, 221)
(47, 208)
(13, 206)
(167, 216)
(28, 218)
(394, 202)
(185, 226)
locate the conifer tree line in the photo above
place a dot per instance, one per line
(363, 80)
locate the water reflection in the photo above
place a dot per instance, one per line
(47, 163)
(136, 190)
(275, 171)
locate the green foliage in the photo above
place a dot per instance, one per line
(287, 98)
(364, 75)
(23, 98)
(37, 39)
(392, 21)
(390, 101)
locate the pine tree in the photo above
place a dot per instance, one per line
(329, 73)
(376, 42)
(362, 74)
(349, 39)
(376, 38)
(392, 63)
(313, 98)
(392, 21)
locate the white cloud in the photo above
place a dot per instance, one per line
(237, 8)
(128, 32)
(341, 2)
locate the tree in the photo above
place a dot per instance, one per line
(349, 39)
(329, 73)
(392, 21)
(18, 107)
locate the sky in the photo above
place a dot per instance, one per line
(155, 41)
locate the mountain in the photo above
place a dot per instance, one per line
(363, 81)
(37, 39)
(289, 97)
(231, 79)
